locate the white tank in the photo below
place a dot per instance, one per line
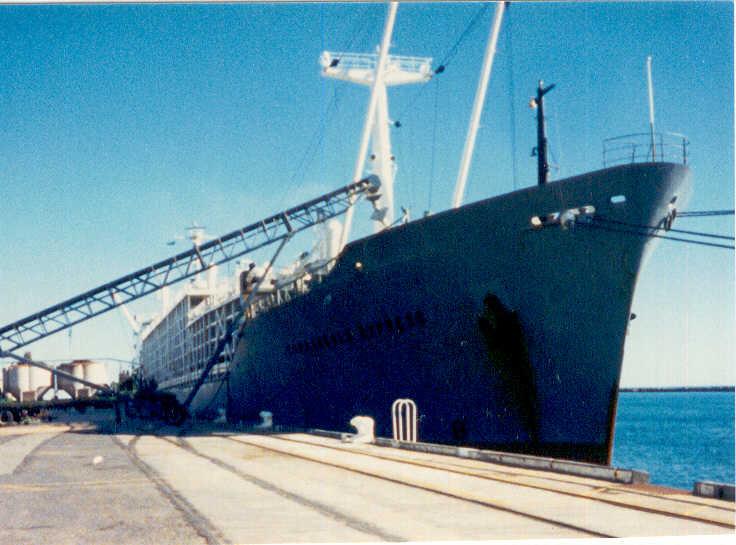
(19, 376)
(95, 371)
(39, 378)
(24, 377)
(78, 371)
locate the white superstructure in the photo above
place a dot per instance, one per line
(176, 346)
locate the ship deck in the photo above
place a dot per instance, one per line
(81, 483)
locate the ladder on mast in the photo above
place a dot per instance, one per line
(279, 227)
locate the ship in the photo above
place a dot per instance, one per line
(503, 320)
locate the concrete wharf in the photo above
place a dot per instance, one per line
(78, 483)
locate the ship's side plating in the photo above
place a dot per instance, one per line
(506, 335)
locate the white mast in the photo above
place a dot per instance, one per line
(480, 95)
(651, 104)
(388, 29)
(379, 72)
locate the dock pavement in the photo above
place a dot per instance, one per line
(82, 482)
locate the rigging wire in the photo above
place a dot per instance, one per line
(556, 130)
(704, 213)
(554, 165)
(449, 56)
(403, 146)
(657, 228)
(94, 358)
(318, 136)
(652, 235)
(596, 224)
(434, 145)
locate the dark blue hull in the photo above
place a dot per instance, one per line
(504, 335)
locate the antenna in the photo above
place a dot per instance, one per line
(541, 150)
(651, 105)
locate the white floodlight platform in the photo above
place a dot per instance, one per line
(361, 68)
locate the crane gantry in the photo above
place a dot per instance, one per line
(92, 303)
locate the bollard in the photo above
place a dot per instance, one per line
(266, 420)
(365, 427)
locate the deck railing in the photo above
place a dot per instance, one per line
(645, 148)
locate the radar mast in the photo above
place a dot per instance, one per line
(362, 69)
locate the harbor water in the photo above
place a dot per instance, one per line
(678, 437)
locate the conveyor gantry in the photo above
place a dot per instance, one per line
(145, 281)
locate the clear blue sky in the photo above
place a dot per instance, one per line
(121, 124)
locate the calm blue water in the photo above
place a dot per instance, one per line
(678, 437)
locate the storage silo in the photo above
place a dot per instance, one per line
(80, 389)
(40, 381)
(7, 394)
(95, 371)
(19, 380)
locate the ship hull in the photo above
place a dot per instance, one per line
(505, 336)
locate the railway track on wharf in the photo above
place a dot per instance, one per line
(497, 505)
(317, 502)
(365, 492)
(603, 509)
(151, 484)
(647, 498)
